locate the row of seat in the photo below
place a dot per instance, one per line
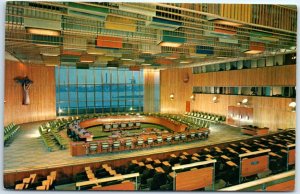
(52, 139)
(121, 126)
(34, 183)
(157, 174)
(10, 131)
(206, 116)
(145, 142)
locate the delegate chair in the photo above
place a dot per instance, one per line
(123, 125)
(115, 126)
(177, 137)
(105, 146)
(93, 147)
(150, 141)
(169, 139)
(128, 144)
(130, 125)
(140, 142)
(159, 139)
(138, 125)
(116, 145)
(183, 136)
(107, 128)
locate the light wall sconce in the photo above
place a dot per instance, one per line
(192, 97)
(215, 99)
(293, 106)
(245, 101)
(172, 96)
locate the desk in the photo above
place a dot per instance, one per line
(185, 153)
(141, 164)
(230, 163)
(225, 157)
(149, 166)
(196, 155)
(250, 130)
(166, 163)
(149, 160)
(159, 169)
(157, 161)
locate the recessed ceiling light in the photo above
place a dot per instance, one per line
(51, 65)
(170, 44)
(253, 52)
(50, 54)
(44, 32)
(145, 64)
(185, 62)
(126, 59)
(228, 23)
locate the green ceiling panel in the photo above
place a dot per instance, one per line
(88, 7)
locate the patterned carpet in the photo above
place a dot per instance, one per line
(27, 151)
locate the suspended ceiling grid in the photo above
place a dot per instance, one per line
(135, 35)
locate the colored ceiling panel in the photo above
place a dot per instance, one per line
(46, 40)
(260, 34)
(88, 8)
(42, 24)
(109, 42)
(72, 52)
(257, 46)
(223, 29)
(204, 50)
(137, 10)
(119, 23)
(86, 15)
(164, 61)
(169, 36)
(226, 40)
(163, 24)
(74, 42)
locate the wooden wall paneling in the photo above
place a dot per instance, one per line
(42, 93)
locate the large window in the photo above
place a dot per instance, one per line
(98, 90)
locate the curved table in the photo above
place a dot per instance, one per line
(174, 126)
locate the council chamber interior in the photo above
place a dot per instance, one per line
(149, 96)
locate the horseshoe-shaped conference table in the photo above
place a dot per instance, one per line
(89, 146)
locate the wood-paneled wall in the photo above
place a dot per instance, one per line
(171, 81)
(42, 93)
(267, 76)
(149, 89)
(272, 112)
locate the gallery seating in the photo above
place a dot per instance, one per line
(10, 131)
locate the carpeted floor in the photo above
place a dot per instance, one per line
(27, 150)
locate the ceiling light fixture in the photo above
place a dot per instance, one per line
(43, 32)
(146, 64)
(170, 44)
(228, 23)
(126, 59)
(50, 54)
(253, 52)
